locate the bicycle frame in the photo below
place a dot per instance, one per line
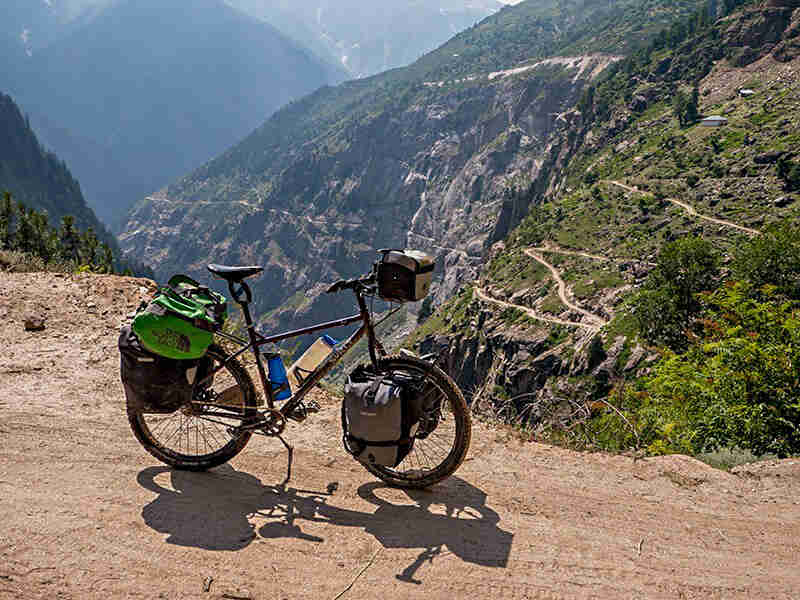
(243, 296)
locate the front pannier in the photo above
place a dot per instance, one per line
(404, 275)
(153, 384)
(379, 418)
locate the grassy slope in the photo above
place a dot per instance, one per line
(713, 169)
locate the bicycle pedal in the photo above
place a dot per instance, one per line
(299, 414)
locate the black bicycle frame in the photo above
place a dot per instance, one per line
(243, 296)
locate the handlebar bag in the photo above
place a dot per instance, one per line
(152, 383)
(404, 275)
(379, 418)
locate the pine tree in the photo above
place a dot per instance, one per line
(89, 245)
(6, 222)
(24, 238)
(107, 260)
(68, 239)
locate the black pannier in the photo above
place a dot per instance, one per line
(380, 416)
(404, 275)
(154, 384)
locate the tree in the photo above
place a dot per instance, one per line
(6, 222)
(68, 238)
(771, 259)
(107, 259)
(24, 241)
(667, 306)
(89, 245)
(685, 106)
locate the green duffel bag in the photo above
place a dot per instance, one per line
(180, 321)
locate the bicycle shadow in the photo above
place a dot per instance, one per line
(212, 510)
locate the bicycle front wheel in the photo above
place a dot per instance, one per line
(189, 438)
(442, 441)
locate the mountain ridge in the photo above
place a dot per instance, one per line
(132, 86)
(368, 155)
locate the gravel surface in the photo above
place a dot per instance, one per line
(87, 513)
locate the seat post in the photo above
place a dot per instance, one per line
(244, 290)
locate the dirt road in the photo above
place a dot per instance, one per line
(86, 513)
(562, 290)
(530, 312)
(691, 210)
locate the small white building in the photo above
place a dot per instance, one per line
(714, 121)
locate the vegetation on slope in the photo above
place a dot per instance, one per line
(672, 208)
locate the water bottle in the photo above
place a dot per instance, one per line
(311, 359)
(277, 375)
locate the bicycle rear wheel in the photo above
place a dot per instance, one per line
(441, 444)
(188, 439)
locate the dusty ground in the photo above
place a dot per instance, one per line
(86, 513)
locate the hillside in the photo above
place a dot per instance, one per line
(128, 100)
(88, 514)
(437, 156)
(38, 178)
(550, 317)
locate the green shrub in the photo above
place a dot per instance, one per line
(736, 386)
(772, 258)
(666, 306)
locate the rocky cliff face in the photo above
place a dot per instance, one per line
(445, 174)
(520, 341)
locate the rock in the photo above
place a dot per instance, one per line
(34, 322)
(638, 103)
(782, 201)
(768, 158)
(637, 354)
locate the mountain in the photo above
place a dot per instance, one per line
(35, 24)
(149, 89)
(441, 156)
(37, 177)
(555, 313)
(368, 37)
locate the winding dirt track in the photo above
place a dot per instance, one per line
(691, 210)
(552, 248)
(530, 312)
(87, 514)
(562, 290)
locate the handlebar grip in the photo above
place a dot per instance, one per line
(336, 287)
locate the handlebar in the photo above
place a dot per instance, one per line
(357, 284)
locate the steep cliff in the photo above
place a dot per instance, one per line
(548, 316)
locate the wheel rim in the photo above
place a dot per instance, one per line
(187, 433)
(429, 454)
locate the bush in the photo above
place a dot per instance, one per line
(736, 386)
(772, 258)
(789, 173)
(666, 306)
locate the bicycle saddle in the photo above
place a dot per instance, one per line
(234, 273)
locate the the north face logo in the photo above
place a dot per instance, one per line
(173, 339)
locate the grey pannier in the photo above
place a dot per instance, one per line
(379, 417)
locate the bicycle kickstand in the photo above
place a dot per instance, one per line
(289, 463)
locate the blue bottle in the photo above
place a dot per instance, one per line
(277, 376)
